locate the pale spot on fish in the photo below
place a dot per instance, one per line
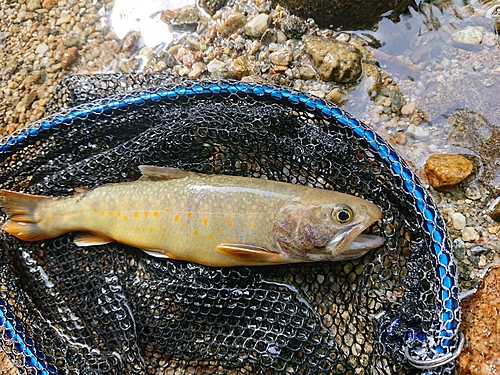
(146, 213)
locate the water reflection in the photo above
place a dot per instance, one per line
(144, 17)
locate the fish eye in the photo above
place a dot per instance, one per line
(343, 214)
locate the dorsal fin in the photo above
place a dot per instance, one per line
(152, 172)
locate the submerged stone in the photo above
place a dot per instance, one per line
(335, 60)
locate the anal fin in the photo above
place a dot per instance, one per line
(91, 239)
(251, 254)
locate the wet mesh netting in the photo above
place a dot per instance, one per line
(113, 309)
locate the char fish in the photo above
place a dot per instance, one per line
(215, 220)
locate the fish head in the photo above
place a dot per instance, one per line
(326, 226)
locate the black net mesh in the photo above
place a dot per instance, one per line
(113, 309)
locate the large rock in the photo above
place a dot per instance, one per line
(481, 327)
(344, 14)
(447, 170)
(336, 61)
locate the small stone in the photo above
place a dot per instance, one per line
(211, 6)
(293, 27)
(232, 23)
(408, 109)
(72, 40)
(130, 42)
(417, 132)
(33, 5)
(49, 4)
(270, 36)
(470, 234)
(494, 209)
(215, 65)
(306, 72)
(256, 27)
(240, 67)
(397, 100)
(336, 61)
(187, 20)
(447, 170)
(337, 96)
(469, 36)
(459, 248)
(41, 49)
(473, 192)
(282, 57)
(458, 221)
(69, 57)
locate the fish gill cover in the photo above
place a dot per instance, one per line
(113, 309)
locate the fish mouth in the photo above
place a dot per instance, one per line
(353, 243)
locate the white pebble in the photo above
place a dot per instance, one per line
(471, 35)
(458, 221)
(42, 48)
(469, 234)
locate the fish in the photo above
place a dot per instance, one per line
(213, 220)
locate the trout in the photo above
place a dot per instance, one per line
(215, 220)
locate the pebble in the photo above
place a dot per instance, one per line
(473, 192)
(494, 209)
(337, 96)
(417, 132)
(469, 36)
(458, 221)
(69, 57)
(33, 5)
(233, 22)
(41, 49)
(215, 65)
(459, 248)
(470, 234)
(282, 57)
(447, 170)
(257, 26)
(408, 109)
(336, 61)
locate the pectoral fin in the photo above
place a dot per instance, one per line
(91, 239)
(251, 254)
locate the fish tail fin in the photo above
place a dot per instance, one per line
(23, 222)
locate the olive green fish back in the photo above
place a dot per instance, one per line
(113, 309)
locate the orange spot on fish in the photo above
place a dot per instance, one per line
(151, 229)
(125, 218)
(252, 225)
(156, 214)
(146, 213)
(176, 218)
(103, 213)
(217, 229)
(136, 214)
(143, 229)
(190, 215)
(167, 210)
(187, 234)
(265, 230)
(195, 232)
(53, 217)
(80, 210)
(95, 209)
(211, 235)
(164, 228)
(205, 222)
(184, 224)
(218, 215)
(118, 213)
(229, 223)
(111, 213)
